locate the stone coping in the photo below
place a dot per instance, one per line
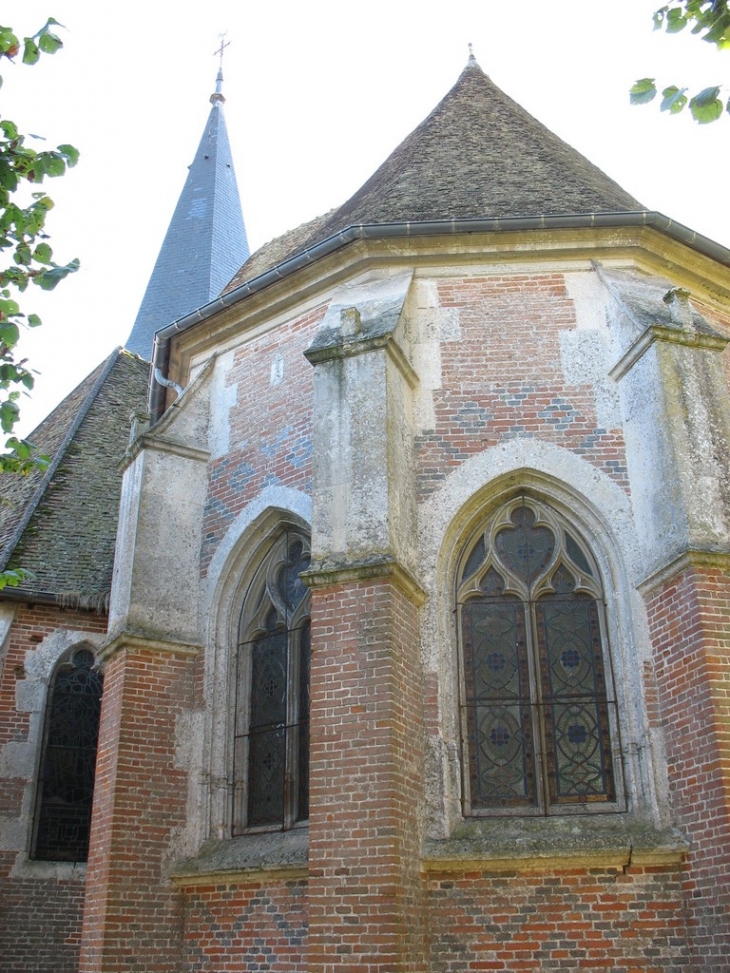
(249, 857)
(488, 845)
(538, 844)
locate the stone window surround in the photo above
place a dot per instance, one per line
(22, 759)
(644, 834)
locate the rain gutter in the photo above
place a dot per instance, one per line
(375, 231)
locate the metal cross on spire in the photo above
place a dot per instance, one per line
(224, 44)
(217, 97)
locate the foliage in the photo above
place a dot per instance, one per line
(710, 19)
(25, 255)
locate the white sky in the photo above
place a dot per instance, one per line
(318, 94)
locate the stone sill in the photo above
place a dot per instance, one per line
(251, 857)
(487, 845)
(27, 868)
(541, 844)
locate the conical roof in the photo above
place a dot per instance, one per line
(479, 155)
(205, 243)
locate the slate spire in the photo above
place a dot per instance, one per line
(205, 243)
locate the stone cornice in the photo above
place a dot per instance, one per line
(677, 336)
(679, 564)
(134, 642)
(325, 576)
(161, 444)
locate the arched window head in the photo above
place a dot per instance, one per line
(68, 760)
(271, 746)
(538, 712)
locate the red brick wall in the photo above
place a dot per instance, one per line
(503, 379)
(33, 623)
(597, 919)
(252, 926)
(40, 923)
(689, 618)
(40, 918)
(271, 427)
(133, 916)
(366, 910)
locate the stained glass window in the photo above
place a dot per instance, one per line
(538, 712)
(271, 745)
(66, 779)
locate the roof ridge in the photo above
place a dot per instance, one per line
(32, 505)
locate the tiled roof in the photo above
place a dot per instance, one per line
(478, 155)
(62, 524)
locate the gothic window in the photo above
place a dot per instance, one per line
(271, 746)
(538, 711)
(68, 760)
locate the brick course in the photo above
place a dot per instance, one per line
(689, 617)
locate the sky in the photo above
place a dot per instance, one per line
(317, 95)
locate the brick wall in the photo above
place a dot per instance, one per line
(689, 618)
(40, 924)
(365, 897)
(260, 928)
(271, 425)
(597, 919)
(504, 379)
(133, 916)
(40, 917)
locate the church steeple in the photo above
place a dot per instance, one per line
(205, 243)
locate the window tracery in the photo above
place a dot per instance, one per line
(539, 721)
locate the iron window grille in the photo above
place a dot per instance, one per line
(271, 739)
(65, 789)
(538, 710)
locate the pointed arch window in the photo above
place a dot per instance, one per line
(271, 745)
(68, 760)
(539, 722)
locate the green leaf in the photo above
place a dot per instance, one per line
(70, 153)
(10, 129)
(47, 279)
(9, 44)
(43, 253)
(31, 52)
(643, 91)
(674, 99)
(53, 163)
(33, 321)
(49, 43)
(9, 334)
(676, 20)
(706, 106)
(12, 578)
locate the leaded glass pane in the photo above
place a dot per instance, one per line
(576, 711)
(305, 649)
(579, 762)
(576, 554)
(66, 783)
(524, 548)
(537, 716)
(498, 702)
(475, 559)
(271, 752)
(291, 586)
